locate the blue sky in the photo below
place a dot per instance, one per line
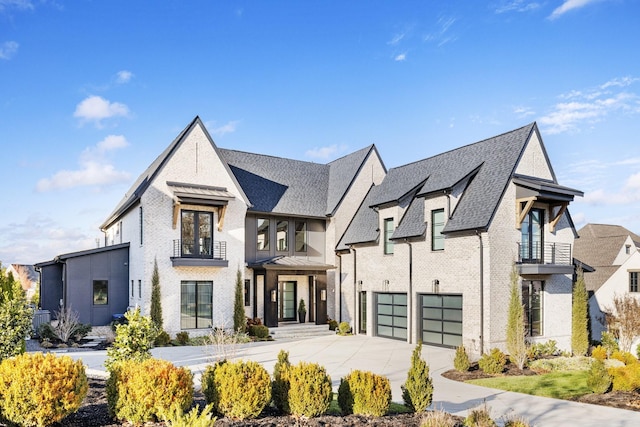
(92, 91)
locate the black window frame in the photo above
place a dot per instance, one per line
(388, 228)
(264, 231)
(533, 308)
(197, 251)
(196, 301)
(100, 293)
(633, 281)
(436, 230)
(282, 245)
(301, 236)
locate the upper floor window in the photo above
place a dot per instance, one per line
(282, 235)
(532, 237)
(532, 301)
(197, 234)
(263, 234)
(388, 232)
(301, 236)
(437, 225)
(627, 249)
(633, 281)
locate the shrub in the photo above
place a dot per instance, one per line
(194, 418)
(144, 391)
(516, 343)
(417, 391)
(479, 417)
(344, 328)
(638, 351)
(364, 393)
(493, 363)
(15, 319)
(461, 361)
(309, 390)
(182, 338)
(626, 378)
(624, 356)
(238, 390)
(438, 418)
(134, 339)
(162, 340)
(561, 363)
(609, 342)
(599, 353)
(46, 332)
(280, 384)
(333, 324)
(598, 380)
(259, 331)
(155, 311)
(37, 389)
(239, 318)
(515, 421)
(543, 349)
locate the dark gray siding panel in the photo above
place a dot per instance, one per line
(51, 287)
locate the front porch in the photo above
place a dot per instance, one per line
(294, 330)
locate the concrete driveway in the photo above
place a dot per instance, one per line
(340, 355)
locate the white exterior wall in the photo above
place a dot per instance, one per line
(372, 172)
(194, 162)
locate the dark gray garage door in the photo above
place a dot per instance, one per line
(391, 315)
(441, 319)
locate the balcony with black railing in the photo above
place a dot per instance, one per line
(547, 258)
(205, 253)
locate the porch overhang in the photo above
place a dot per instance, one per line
(544, 269)
(530, 190)
(202, 195)
(290, 263)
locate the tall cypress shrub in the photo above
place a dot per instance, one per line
(516, 344)
(156, 304)
(579, 320)
(239, 318)
(417, 391)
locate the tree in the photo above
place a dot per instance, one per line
(579, 313)
(156, 300)
(516, 344)
(417, 391)
(15, 316)
(623, 320)
(239, 318)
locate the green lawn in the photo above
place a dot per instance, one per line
(559, 385)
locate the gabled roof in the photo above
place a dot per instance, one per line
(486, 167)
(293, 187)
(132, 197)
(599, 246)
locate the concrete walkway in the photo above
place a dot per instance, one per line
(340, 355)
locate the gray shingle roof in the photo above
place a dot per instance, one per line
(364, 226)
(490, 164)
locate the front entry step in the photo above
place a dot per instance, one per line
(299, 330)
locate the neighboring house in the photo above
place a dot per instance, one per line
(421, 252)
(27, 276)
(612, 251)
(430, 252)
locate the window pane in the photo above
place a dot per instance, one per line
(388, 232)
(437, 225)
(282, 235)
(204, 232)
(301, 236)
(204, 306)
(188, 305)
(196, 303)
(100, 292)
(188, 233)
(263, 234)
(633, 281)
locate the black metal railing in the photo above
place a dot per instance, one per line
(216, 249)
(548, 253)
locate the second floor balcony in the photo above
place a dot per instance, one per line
(547, 258)
(205, 254)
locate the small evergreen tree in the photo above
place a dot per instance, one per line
(134, 339)
(156, 300)
(417, 391)
(579, 320)
(280, 385)
(15, 316)
(239, 318)
(516, 344)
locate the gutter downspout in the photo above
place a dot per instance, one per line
(339, 290)
(478, 233)
(410, 304)
(355, 292)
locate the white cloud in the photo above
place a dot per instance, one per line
(95, 109)
(400, 57)
(8, 49)
(523, 112)
(397, 38)
(18, 4)
(583, 108)
(629, 193)
(517, 6)
(123, 76)
(325, 153)
(229, 127)
(95, 169)
(441, 35)
(569, 5)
